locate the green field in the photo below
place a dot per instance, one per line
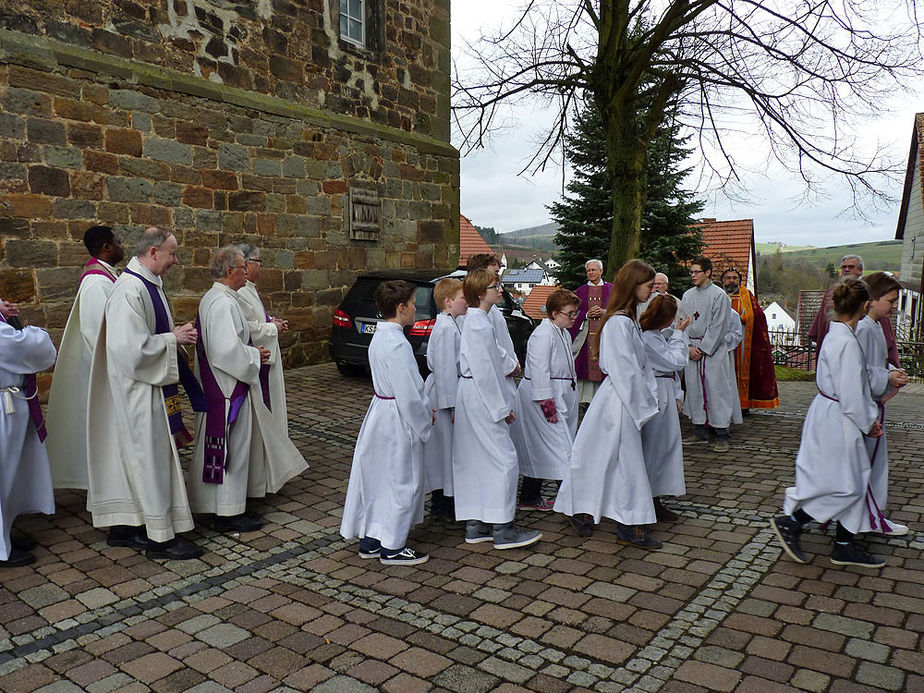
(878, 255)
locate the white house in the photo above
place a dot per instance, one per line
(780, 325)
(910, 230)
(523, 280)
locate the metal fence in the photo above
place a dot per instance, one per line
(796, 351)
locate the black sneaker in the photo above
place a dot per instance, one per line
(853, 553)
(788, 532)
(236, 523)
(370, 548)
(584, 524)
(635, 535)
(17, 558)
(406, 556)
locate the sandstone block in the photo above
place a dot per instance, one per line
(74, 209)
(133, 101)
(28, 206)
(12, 126)
(169, 151)
(247, 200)
(123, 141)
(197, 197)
(233, 157)
(44, 180)
(16, 285)
(221, 180)
(129, 189)
(45, 131)
(100, 161)
(30, 253)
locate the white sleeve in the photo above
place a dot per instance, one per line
(539, 365)
(131, 346)
(443, 362)
(25, 351)
(224, 348)
(93, 294)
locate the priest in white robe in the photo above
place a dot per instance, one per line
(25, 479)
(135, 478)
(264, 331)
(241, 449)
(709, 376)
(67, 402)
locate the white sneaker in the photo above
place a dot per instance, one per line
(896, 529)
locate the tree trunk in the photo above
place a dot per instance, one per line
(628, 173)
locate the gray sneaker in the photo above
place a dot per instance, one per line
(477, 532)
(509, 536)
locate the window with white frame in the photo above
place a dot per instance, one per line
(353, 21)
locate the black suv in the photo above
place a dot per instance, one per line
(356, 317)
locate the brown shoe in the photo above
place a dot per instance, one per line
(663, 513)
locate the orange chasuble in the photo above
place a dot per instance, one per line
(754, 356)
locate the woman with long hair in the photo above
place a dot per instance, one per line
(606, 474)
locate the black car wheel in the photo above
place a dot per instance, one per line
(351, 371)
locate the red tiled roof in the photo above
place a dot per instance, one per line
(470, 241)
(728, 244)
(534, 305)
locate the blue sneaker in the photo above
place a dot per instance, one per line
(369, 548)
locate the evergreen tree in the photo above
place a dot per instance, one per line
(585, 215)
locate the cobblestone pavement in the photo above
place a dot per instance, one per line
(292, 607)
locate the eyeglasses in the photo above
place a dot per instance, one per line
(571, 314)
(256, 260)
(496, 287)
(697, 272)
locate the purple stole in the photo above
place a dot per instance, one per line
(31, 394)
(217, 425)
(94, 266)
(190, 384)
(264, 377)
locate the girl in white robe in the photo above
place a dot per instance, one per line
(884, 382)
(385, 493)
(484, 464)
(833, 464)
(548, 400)
(440, 389)
(25, 477)
(661, 439)
(606, 475)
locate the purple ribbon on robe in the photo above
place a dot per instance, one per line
(215, 460)
(31, 392)
(196, 397)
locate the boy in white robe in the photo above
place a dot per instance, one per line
(511, 366)
(484, 460)
(242, 451)
(136, 485)
(548, 400)
(606, 474)
(265, 331)
(709, 375)
(884, 381)
(67, 401)
(833, 463)
(385, 493)
(25, 479)
(661, 440)
(440, 389)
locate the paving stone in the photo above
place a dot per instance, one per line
(342, 684)
(880, 676)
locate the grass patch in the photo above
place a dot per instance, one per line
(787, 374)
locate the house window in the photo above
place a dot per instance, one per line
(773, 316)
(353, 21)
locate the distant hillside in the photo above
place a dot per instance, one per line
(878, 255)
(533, 238)
(764, 248)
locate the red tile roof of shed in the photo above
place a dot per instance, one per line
(534, 305)
(470, 241)
(728, 244)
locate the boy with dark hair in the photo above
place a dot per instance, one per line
(385, 494)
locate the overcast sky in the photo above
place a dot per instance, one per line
(494, 195)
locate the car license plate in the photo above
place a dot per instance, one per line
(367, 328)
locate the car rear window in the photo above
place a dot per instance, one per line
(363, 291)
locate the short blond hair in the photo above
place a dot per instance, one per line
(476, 284)
(445, 288)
